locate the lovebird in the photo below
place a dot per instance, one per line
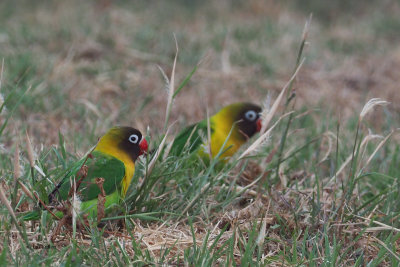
(113, 159)
(233, 125)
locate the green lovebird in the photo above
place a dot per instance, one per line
(233, 125)
(113, 159)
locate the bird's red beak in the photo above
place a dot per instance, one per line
(259, 125)
(143, 146)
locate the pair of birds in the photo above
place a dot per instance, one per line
(113, 159)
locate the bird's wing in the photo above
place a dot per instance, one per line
(190, 138)
(99, 165)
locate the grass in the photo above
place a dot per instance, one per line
(322, 190)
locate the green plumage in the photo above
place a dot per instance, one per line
(230, 128)
(113, 159)
(99, 166)
(191, 138)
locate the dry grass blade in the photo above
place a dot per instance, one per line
(166, 80)
(282, 176)
(29, 148)
(364, 142)
(378, 229)
(39, 170)
(261, 138)
(384, 226)
(4, 199)
(266, 105)
(306, 28)
(26, 190)
(377, 148)
(75, 207)
(370, 105)
(158, 153)
(171, 87)
(386, 247)
(266, 118)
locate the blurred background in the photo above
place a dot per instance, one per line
(93, 64)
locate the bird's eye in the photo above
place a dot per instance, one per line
(251, 115)
(134, 139)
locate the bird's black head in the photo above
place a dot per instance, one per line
(133, 143)
(127, 139)
(248, 119)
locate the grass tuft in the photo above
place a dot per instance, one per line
(318, 187)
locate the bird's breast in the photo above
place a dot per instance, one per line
(126, 181)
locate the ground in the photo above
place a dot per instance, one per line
(321, 190)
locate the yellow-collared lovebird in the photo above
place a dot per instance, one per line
(233, 125)
(113, 159)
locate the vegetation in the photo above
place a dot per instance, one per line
(318, 187)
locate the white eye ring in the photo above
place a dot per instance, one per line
(250, 115)
(134, 139)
